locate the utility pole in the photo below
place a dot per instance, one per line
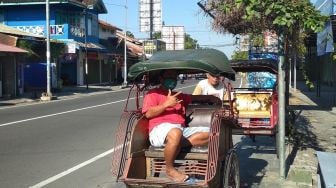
(86, 53)
(48, 48)
(125, 49)
(282, 115)
(151, 19)
(174, 40)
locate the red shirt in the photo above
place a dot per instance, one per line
(175, 114)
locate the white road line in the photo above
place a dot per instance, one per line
(70, 170)
(69, 111)
(60, 98)
(50, 115)
(64, 173)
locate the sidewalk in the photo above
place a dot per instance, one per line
(314, 130)
(65, 92)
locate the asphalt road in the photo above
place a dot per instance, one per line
(42, 141)
(64, 143)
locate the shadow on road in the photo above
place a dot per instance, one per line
(254, 159)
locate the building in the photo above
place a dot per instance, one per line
(72, 22)
(153, 46)
(109, 38)
(12, 59)
(113, 38)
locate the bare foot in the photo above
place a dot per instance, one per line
(176, 176)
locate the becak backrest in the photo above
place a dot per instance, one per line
(200, 115)
(253, 104)
(140, 136)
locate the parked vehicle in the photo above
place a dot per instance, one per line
(138, 164)
(257, 107)
(200, 76)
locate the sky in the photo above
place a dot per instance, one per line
(174, 13)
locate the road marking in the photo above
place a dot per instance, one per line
(77, 167)
(69, 111)
(70, 170)
(60, 113)
(64, 173)
(59, 99)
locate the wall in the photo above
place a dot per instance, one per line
(8, 75)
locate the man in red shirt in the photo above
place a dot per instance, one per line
(166, 110)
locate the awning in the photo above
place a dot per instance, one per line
(13, 49)
(135, 50)
(89, 45)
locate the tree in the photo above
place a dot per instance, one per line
(240, 55)
(287, 18)
(292, 19)
(255, 16)
(190, 43)
(157, 35)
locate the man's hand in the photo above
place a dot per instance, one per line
(172, 100)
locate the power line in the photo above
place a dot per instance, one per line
(118, 5)
(217, 45)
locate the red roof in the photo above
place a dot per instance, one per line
(13, 49)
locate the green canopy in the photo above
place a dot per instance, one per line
(185, 62)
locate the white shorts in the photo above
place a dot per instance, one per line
(159, 133)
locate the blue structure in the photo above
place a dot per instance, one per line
(31, 70)
(73, 22)
(67, 18)
(261, 79)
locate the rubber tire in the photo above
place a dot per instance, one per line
(231, 176)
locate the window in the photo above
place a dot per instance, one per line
(71, 18)
(95, 26)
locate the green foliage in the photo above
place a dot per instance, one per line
(36, 49)
(240, 55)
(156, 35)
(309, 83)
(56, 49)
(190, 43)
(291, 18)
(26, 45)
(257, 39)
(253, 16)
